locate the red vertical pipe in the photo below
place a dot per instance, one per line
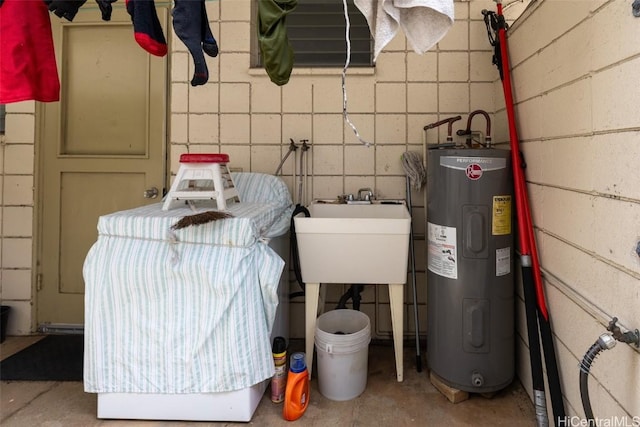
(525, 224)
(528, 243)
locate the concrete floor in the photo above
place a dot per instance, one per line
(385, 402)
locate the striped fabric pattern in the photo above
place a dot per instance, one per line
(190, 313)
(265, 212)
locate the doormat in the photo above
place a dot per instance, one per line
(53, 358)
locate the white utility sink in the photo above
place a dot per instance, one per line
(354, 243)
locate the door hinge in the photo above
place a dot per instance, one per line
(39, 282)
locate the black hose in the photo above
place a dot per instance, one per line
(605, 342)
(585, 366)
(355, 296)
(295, 256)
(352, 294)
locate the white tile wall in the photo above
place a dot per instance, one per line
(266, 128)
(265, 97)
(234, 37)
(17, 221)
(18, 189)
(391, 98)
(21, 128)
(234, 97)
(16, 252)
(296, 126)
(204, 99)
(16, 285)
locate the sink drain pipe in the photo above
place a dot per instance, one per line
(606, 341)
(352, 294)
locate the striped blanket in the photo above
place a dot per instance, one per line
(190, 310)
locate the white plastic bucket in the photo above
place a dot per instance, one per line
(342, 342)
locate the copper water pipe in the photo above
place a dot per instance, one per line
(467, 131)
(450, 121)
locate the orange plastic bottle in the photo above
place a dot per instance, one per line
(296, 396)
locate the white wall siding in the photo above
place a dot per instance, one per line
(575, 63)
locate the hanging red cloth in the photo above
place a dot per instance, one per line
(27, 59)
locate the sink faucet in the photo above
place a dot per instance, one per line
(368, 194)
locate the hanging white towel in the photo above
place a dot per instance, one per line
(424, 22)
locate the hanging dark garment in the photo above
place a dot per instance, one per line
(277, 53)
(191, 25)
(27, 58)
(67, 9)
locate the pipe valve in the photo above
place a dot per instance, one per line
(629, 337)
(477, 379)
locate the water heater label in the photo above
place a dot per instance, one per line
(501, 218)
(474, 171)
(463, 163)
(443, 254)
(503, 261)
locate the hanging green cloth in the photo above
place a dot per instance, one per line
(277, 53)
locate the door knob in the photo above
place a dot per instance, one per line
(151, 193)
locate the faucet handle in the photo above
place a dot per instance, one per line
(368, 194)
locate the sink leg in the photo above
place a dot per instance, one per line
(311, 292)
(396, 299)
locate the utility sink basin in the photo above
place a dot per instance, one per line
(354, 243)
